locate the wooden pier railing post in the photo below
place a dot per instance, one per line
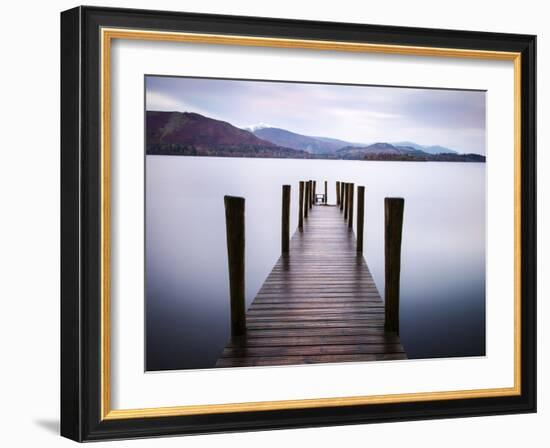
(350, 207)
(310, 199)
(234, 224)
(285, 224)
(337, 193)
(326, 191)
(360, 217)
(393, 212)
(301, 207)
(346, 200)
(343, 203)
(313, 198)
(306, 198)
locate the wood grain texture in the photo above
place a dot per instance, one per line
(235, 232)
(301, 206)
(319, 304)
(360, 217)
(285, 219)
(393, 211)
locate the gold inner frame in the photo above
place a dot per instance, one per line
(107, 35)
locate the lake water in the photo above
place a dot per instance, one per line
(187, 298)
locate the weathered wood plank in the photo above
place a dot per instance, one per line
(318, 294)
(293, 360)
(316, 319)
(304, 316)
(337, 287)
(302, 332)
(317, 324)
(306, 298)
(317, 307)
(315, 340)
(309, 350)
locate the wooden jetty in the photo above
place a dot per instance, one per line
(319, 304)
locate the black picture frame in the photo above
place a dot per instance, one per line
(81, 224)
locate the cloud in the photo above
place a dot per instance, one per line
(163, 102)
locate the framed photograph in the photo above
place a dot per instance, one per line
(273, 223)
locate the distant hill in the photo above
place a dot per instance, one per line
(434, 149)
(357, 152)
(313, 145)
(387, 151)
(325, 145)
(188, 133)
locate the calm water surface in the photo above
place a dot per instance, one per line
(187, 298)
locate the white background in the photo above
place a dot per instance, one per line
(29, 236)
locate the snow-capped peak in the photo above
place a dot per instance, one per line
(256, 127)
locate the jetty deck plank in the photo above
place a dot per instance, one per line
(319, 304)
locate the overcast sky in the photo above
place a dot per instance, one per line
(362, 114)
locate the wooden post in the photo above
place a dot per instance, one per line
(337, 193)
(393, 211)
(342, 190)
(306, 198)
(285, 224)
(314, 198)
(234, 225)
(301, 208)
(311, 194)
(350, 206)
(326, 191)
(346, 200)
(360, 217)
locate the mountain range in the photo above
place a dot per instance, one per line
(189, 133)
(433, 149)
(192, 134)
(313, 145)
(387, 151)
